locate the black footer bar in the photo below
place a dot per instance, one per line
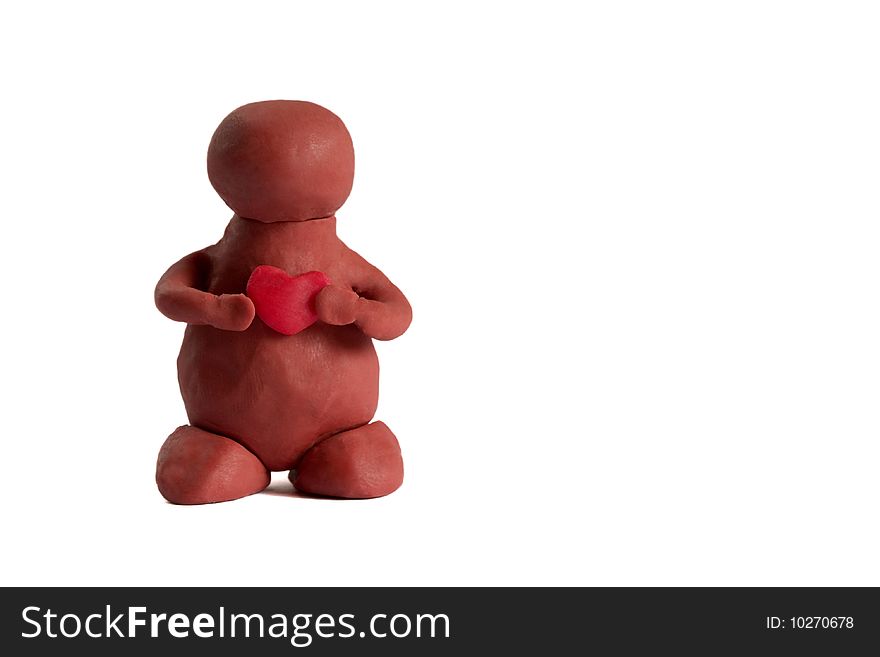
(440, 621)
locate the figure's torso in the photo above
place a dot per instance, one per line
(278, 394)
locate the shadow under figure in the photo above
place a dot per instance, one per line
(277, 369)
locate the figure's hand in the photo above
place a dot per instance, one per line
(232, 312)
(337, 305)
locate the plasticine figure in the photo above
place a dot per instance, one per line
(277, 368)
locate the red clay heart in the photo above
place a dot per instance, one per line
(285, 303)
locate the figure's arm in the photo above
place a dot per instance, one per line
(180, 296)
(373, 303)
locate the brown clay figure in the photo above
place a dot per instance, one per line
(277, 368)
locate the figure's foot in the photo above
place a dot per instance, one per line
(359, 463)
(199, 467)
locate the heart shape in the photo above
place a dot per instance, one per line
(285, 303)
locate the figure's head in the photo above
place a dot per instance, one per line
(282, 160)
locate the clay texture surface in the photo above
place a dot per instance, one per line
(293, 382)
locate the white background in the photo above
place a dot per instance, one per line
(641, 241)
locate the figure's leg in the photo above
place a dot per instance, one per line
(199, 467)
(358, 463)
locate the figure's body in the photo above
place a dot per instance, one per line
(258, 400)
